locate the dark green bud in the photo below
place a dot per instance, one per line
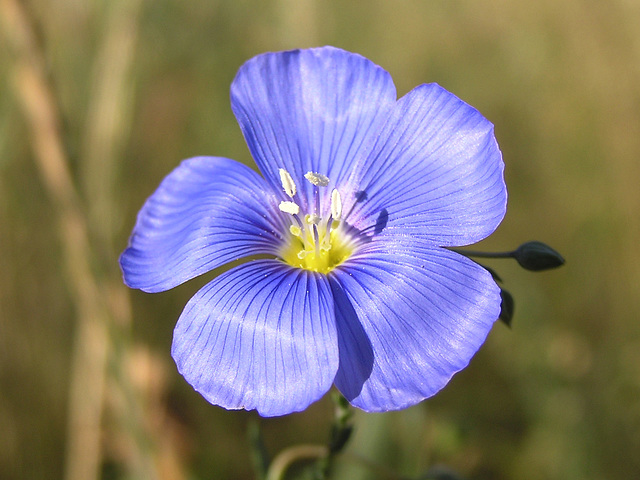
(507, 307)
(537, 256)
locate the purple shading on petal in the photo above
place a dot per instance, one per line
(393, 322)
(207, 212)
(311, 110)
(425, 311)
(436, 169)
(356, 354)
(261, 336)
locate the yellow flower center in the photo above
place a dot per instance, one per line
(315, 243)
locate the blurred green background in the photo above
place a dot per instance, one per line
(87, 383)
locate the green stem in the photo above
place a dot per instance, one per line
(259, 456)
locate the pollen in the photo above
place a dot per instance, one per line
(291, 208)
(288, 184)
(336, 205)
(317, 179)
(315, 240)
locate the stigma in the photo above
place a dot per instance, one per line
(315, 240)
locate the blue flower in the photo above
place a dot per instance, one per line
(346, 279)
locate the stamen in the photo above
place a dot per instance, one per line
(326, 241)
(315, 237)
(317, 179)
(336, 205)
(316, 240)
(287, 183)
(291, 208)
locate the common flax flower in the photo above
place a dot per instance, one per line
(347, 279)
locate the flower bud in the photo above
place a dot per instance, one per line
(537, 256)
(507, 307)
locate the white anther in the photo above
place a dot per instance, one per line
(295, 230)
(291, 208)
(317, 179)
(336, 205)
(287, 183)
(312, 219)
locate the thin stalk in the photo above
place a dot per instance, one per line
(41, 110)
(102, 304)
(257, 450)
(476, 253)
(286, 458)
(109, 117)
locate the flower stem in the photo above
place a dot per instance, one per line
(259, 455)
(534, 256)
(476, 253)
(341, 429)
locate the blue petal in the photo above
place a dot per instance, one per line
(424, 313)
(436, 171)
(310, 110)
(207, 212)
(261, 336)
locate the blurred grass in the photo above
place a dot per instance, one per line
(555, 397)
